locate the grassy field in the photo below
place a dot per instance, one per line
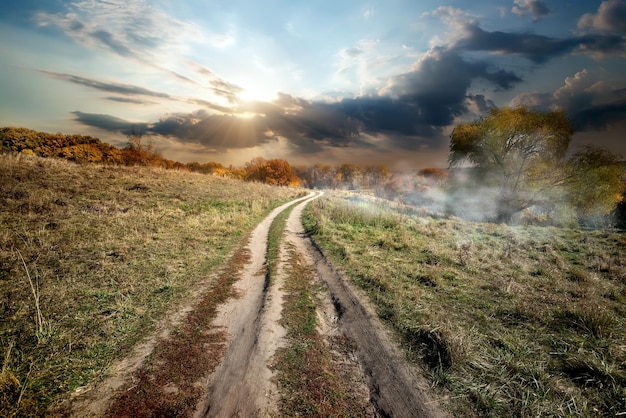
(91, 257)
(506, 321)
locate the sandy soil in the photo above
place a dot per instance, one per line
(242, 384)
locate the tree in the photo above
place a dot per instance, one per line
(516, 159)
(276, 172)
(374, 176)
(595, 182)
(140, 152)
(320, 176)
(437, 175)
(348, 175)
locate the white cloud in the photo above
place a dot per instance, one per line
(611, 18)
(222, 40)
(457, 19)
(453, 16)
(130, 28)
(536, 8)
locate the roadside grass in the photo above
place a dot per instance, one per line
(506, 321)
(168, 383)
(310, 382)
(91, 257)
(274, 240)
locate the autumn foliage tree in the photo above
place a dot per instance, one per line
(275, 172)
(78, 148)
(515, 159)
(595, 181)
(138, 151)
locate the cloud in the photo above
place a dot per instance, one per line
(537, 9)
(127, 100)
(590, 104)
(128, 28)
(537, 48)
(219, 86)
(108, 122)
(467, 35)
(438, 84)
(611, 18)
(138, 91)
(479, 104)
(453, 16)
(216, 131)
(111, 87)
(109, 40)
(410, 112)
(222, 40)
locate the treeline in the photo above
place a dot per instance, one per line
(428, 189)
(83, 149)
(139, 151)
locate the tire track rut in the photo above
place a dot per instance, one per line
(396, 389)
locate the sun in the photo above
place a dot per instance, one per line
(256, 90)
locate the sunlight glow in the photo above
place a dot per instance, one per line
(257, 90)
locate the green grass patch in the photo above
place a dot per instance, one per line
(274, 239)
(522, 321)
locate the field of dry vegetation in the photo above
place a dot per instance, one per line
(505, 321)
(515, 321)
(92, 257)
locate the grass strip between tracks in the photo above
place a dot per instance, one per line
(310, 382)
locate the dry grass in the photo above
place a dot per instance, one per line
(91, 257)
(170, 382)
(515, 321)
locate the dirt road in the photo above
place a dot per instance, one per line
(241, 383)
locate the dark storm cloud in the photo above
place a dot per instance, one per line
(411, 112)
(108, 122)
(415, 107)
(480, 103)
(589, 104)
(437, 87)
(537, 48)
(216, 131)
(599, 118)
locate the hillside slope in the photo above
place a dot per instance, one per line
(91, 257)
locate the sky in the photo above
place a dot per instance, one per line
(364, 82)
